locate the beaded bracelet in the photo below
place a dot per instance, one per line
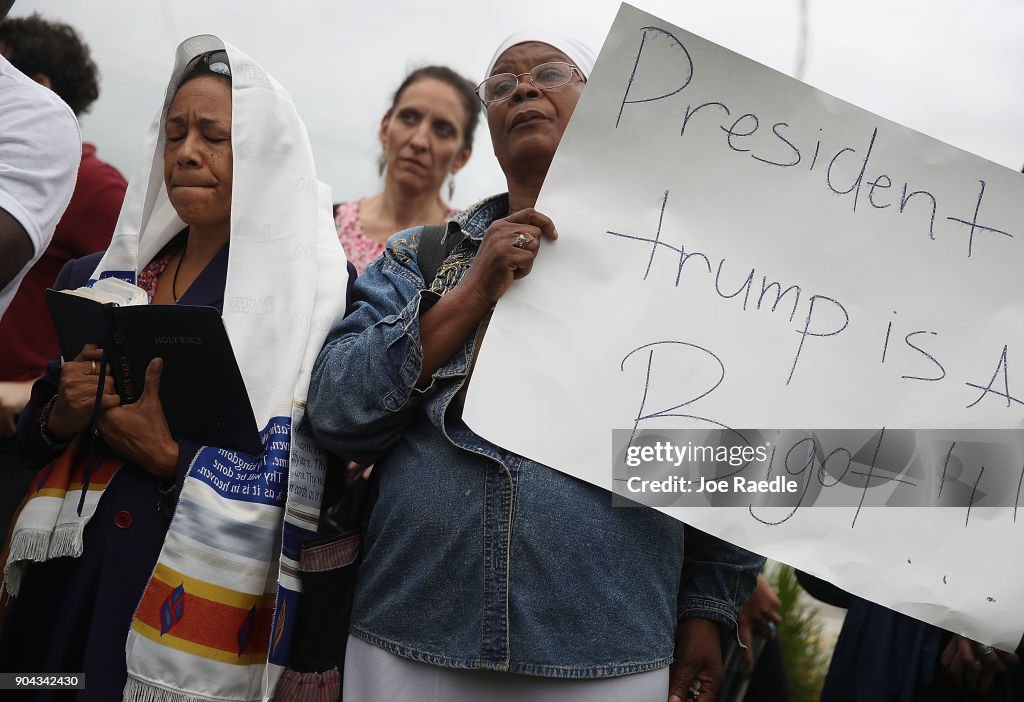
(44, 432)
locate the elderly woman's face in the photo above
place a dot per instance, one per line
(197, 152)
(527, 127)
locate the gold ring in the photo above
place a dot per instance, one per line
(522, 240)
(94, 371)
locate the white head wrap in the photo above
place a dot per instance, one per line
(580, 54)
(282, 236)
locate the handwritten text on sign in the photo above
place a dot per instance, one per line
(738, 249)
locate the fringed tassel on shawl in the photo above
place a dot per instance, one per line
(39, 545)
(136, 690)
(13, 574)
(67, 541)
(26, 546)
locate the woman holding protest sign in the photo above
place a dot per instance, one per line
(487, 575)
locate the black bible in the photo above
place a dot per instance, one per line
(201, 388)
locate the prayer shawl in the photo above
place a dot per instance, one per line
(216, 618)
(48, 524)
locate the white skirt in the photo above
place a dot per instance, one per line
(374, 675)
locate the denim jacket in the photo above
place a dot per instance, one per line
(476, 557)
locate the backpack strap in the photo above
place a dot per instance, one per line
(434, 246)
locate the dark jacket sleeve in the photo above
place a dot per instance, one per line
(35, 452)
(823, 590)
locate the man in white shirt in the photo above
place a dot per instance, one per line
(40, 148)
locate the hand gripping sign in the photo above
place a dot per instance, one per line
(757, 264)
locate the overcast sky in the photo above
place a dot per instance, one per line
(951, 68)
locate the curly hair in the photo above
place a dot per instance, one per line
(55, 50)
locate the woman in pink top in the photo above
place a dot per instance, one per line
(426, 136)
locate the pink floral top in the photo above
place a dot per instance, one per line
(360, 249)
(149, 274)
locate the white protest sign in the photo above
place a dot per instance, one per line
(738, 249)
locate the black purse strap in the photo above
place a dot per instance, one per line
(436, 242)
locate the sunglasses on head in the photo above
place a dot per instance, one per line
(215, 61)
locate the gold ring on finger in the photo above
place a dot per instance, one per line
(94, 371)
(522, 240)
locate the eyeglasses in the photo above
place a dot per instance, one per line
(216, 61)
(545, 76)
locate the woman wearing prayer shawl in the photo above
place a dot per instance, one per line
(487, 576)
(223, 211)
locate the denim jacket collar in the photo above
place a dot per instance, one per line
(476, 218)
